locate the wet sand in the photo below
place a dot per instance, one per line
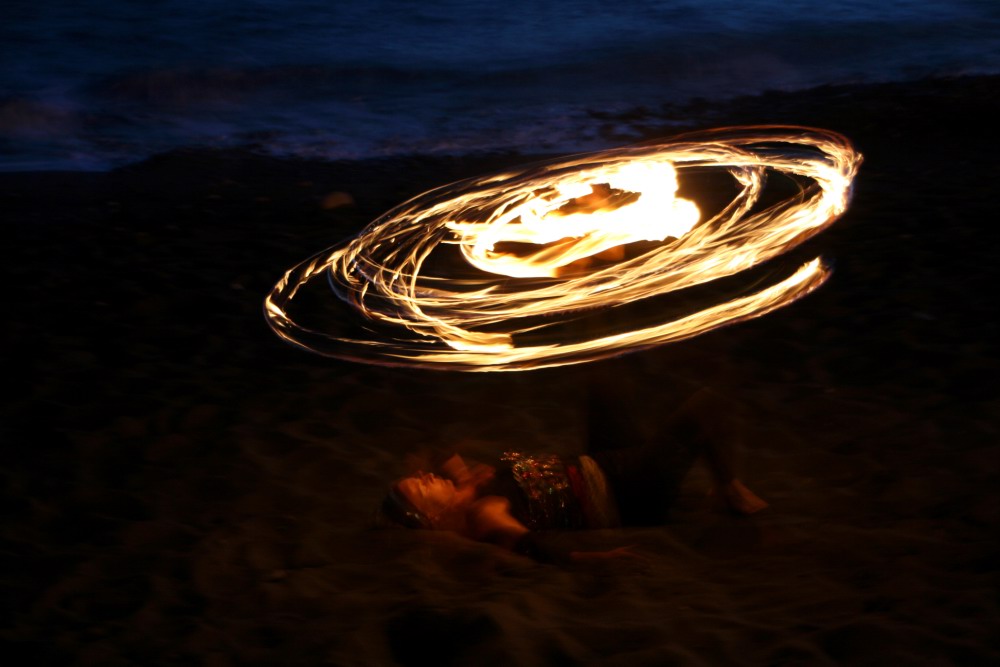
(180, 487)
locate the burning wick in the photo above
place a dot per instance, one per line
(557, 238)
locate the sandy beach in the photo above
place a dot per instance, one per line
(180, 487)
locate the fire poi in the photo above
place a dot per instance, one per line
(543, 244)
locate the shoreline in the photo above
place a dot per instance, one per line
(184, 486)
(630, 125)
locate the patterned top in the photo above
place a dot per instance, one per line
(558, 494)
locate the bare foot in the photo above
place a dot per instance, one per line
(739, 498)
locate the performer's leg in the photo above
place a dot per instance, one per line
(707, 424)
(609, 416)
(647, 475)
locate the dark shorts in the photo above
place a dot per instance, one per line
(645, 480)
(644, 477)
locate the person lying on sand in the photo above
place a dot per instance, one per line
(512, 503)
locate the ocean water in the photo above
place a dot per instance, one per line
(92, 86)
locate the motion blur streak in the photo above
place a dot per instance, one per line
(544, 243)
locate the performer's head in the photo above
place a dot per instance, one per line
(420, 501)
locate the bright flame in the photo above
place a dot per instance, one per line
(553, 228)
(578, 215)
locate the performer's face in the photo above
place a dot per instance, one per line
(428, 493)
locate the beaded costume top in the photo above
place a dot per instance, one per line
(560, 494)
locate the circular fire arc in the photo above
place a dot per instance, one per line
(468, 322)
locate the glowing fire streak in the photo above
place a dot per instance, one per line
(550, 240)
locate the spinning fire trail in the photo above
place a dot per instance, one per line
(545, 243)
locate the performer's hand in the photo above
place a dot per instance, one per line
(467, 475)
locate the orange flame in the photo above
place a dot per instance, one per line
(593, 228)
(525, 227)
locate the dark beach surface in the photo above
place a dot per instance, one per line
(180, 487)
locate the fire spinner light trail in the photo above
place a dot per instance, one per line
(545, 243)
